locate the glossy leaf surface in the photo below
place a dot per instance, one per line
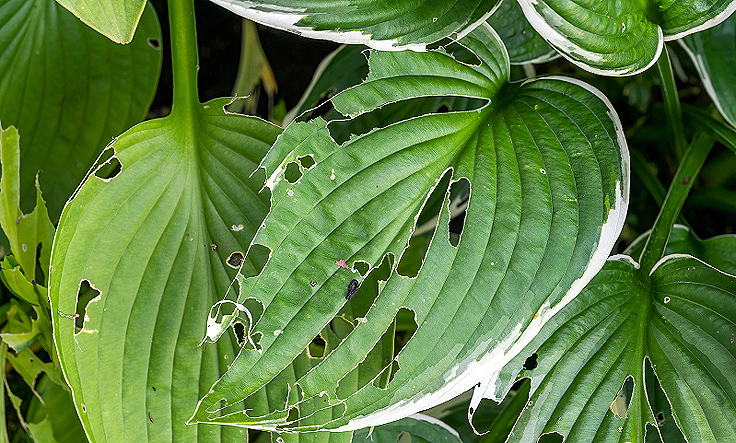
(380, 24)
(546, 162)
(622, 37)
(680, 319)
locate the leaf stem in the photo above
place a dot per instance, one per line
(685, 176)
(184, 58)
(673, 112)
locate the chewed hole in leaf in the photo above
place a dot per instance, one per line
(390, 113)
(235, 260)
(459, 194)
(317, 347)
(621, 402)
(552, 437)
(38, 275)
(386, 376)
(660, 418)
(154, 43)
(109, 166)
(239, 331)
(85, 294)
(413, 256)
(292, 173)
(531, 362)
(321, 109)
(307, 161)
(406, 326)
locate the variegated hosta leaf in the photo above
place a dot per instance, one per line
(146, 250)
(621, 37)
(548, 171)
(380, 24)
(714, 54)
(680, 319)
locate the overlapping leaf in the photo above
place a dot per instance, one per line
(714, 54)
(382, 24)
(69, 90)
(524, 44)
(548, 171)
(153, 241)
(622, 37)
(679, 319)
(115, 19)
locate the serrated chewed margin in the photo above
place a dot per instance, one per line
(556, 142)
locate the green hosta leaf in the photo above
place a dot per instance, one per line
(623, 37)
(380, 24)
(713, 52)
(421, 428)
(524, 44)
(548, 172)
(115, 19)
(151, 243)
(680, 319)
(69, 90)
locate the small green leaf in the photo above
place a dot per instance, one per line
(69, 91)
(115, 19)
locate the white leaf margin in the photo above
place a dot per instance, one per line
(564, 46)
(285, 19)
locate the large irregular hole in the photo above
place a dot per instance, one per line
(292, 173)
(459, 197)
(413, 256)
(239, 331)
(307, 161)
(85, 294)
(530, 362)
(154, 43)
(109, 165)
(620, 404)
(487, 417)
(317, 347)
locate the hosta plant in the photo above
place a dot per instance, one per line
(434, 226)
